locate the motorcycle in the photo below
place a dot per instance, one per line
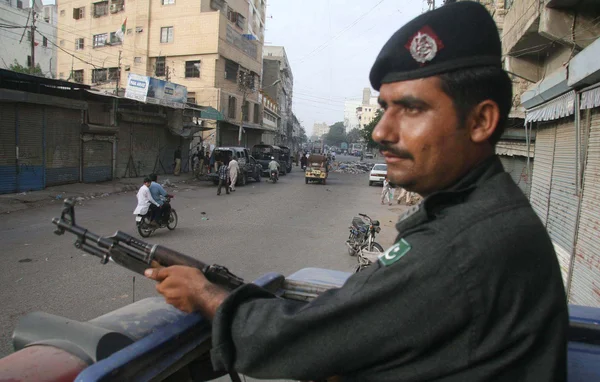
(146, 229)
(362, 235)
(273, 177)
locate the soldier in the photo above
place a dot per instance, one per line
(470, 291)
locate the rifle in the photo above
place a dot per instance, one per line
(136, 255)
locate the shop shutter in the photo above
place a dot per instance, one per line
(63, 131)
(30, 141)
(8, 165)
(585, 280)
(516, 166)
(542, 170)
(562, 212)
(97, 160)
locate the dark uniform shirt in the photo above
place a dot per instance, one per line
(472, 291)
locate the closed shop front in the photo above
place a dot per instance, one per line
(228, 134)
(8, 165)
(585, 280)
(30, 147)
(63, 146)
(542, 170)
(516, 166)
(97, 158)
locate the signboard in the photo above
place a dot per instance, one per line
(153, 90)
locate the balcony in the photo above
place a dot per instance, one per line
(521, 24)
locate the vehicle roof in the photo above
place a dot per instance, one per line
(230, 148)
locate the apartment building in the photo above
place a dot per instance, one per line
(270, 120)
(367, 111)
(350, 116)
(278, 83)
(212, 47)
(320, 129)
(16, 42)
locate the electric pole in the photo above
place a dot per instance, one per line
(32, 67)
(118, 75)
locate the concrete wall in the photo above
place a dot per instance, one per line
(519, 20)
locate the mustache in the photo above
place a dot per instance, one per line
(396, 152)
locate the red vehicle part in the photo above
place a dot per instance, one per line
(40, 364)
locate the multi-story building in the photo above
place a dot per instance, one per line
(270, 119)
(350, 116)
(367, 110)
(278, 83)
(16, 42)
(320, 129)
(213, 47)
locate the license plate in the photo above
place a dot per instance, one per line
(138, 218)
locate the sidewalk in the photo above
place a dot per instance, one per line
(81, 191)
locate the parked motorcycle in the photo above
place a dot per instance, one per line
(273, 177)
(146, 229)
(362, 235)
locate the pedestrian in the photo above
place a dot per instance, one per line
(471, 290)
(387, 193)
(177, 157)
(234, 168)
(223, 173)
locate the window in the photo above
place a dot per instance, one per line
(79, 44)
(99, 75)
(167, 2)
(62, 12)
(256, 113)
(28, 35)
(192, 69)
(117, 5)
(101, 8)
(231, 70)
(19, 4)
(44, 42)
(78, 13)
(191, 98)
(114, 74)
(29, 61)
(100, 39)
(508, 4)
(114, 39)
(137, 60)
(245, 111)
(231, 107)
(166, 34)
(78, 76)
(160, 67)
(232, 15)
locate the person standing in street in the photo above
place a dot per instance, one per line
(470, 291)
(223, 172)
(234, 168)
(177, 158)
(387, 193)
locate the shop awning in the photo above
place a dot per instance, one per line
(559, 107)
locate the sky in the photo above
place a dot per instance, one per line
(331, 46)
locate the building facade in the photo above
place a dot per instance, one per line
(320, 129)
(367, 110)
(278, 83)
(270, 120)
(350, 117)
(212, 47)
(16, 42)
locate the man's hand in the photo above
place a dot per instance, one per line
(187, 289)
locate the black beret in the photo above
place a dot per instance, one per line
(455, 36)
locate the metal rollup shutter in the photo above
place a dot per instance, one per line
(63, 131)
(562, 212)
(8, 165)
(146, 143)
(30, 142)
(542, 170)
(585, 280)
(97, 160)
(516, 167)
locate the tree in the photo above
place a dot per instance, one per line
(303, 137)
(336, 134)
(16, 67)
(354, 136)
(367, 132)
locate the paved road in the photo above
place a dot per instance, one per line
(262, 227)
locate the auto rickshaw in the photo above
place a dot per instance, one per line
(317, 169)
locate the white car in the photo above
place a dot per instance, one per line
(369, 155)
(378, 173)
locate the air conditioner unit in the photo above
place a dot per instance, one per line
(114, 8)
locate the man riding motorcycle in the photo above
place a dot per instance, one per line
(158, 194)
(274, 168)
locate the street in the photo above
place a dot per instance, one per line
(259, 228)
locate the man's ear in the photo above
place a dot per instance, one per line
(484, 121)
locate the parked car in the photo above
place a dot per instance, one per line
(377, 174)
(369, 155)
(248, 165)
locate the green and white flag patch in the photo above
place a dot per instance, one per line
(394, 253)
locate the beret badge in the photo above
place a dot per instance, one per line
(424, 45)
